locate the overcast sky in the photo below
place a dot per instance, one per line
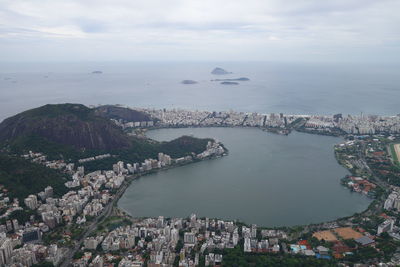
(270, 30)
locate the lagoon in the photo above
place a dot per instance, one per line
(267, 179)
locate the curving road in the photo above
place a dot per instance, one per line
(107, 211)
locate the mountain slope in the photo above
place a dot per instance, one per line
(67, 124)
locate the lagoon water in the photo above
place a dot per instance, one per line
(267, 179)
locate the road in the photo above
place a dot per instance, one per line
(108, 210)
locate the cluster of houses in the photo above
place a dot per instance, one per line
(268, 243)
(189, 240)
(136, 124)
(181, 117)
(98, 157)
(29, 254)
(7, 205)
(392, 202)
(358, 184)
(359, 125)
(213, 149)
(40, 158)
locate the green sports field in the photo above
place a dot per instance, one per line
(395, 151)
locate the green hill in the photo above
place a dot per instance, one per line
(22, 177)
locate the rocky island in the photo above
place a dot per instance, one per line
(241, 79)
(230, 83)
(188, 82)
(220, 71)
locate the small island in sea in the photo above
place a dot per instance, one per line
(230, 83)
(220, 71)
(188, 82)
(241, 79)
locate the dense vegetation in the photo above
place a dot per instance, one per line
(237, 258)
(121, 113)
(182, 146)
(22, 177)
(22, 216)
(53, 150)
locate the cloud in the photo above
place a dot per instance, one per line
(196, 29)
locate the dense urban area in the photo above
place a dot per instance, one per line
(83, 227)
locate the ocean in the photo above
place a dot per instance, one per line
(291, 88)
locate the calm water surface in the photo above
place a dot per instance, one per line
(267, 179)
(292, 88)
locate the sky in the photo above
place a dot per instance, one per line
(200, 30)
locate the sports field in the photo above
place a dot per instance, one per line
(347, 233)
(325, 235)
(395, 151)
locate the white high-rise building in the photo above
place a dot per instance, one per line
(98, 261)
(174, 235)
(31, 202)
(189, 238)
(386, 226)
(48, 191)
(247, 245)
(5, 250)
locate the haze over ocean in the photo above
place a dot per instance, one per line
(295, 88)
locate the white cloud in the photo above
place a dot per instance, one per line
(197, 29)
